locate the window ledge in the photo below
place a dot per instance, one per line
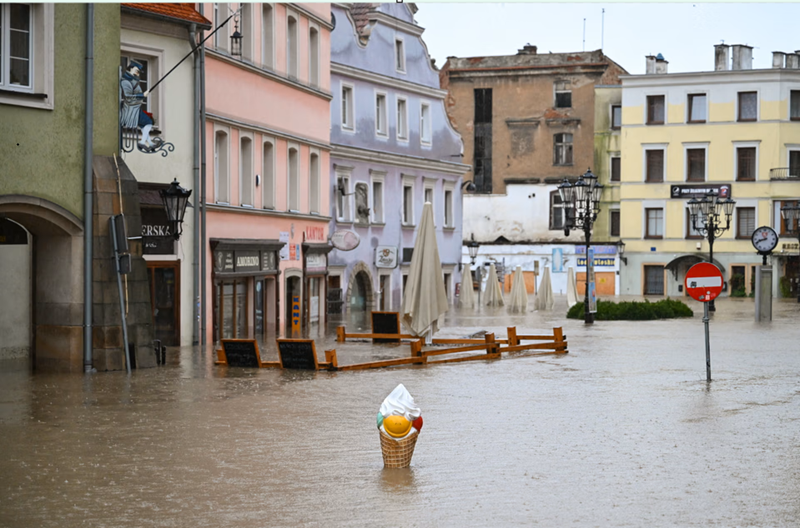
(378, 224)
(408, 226)
(449, 228)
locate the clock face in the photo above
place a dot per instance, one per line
(765, 239)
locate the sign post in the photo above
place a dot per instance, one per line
(704, 283)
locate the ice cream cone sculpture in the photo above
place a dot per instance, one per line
(399, 424)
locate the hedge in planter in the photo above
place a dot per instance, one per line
(634, 310)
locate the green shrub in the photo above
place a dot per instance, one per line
(785, 287)
(634, 310)
(737, 286)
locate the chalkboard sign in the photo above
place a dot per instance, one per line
(241, 353)
(385, 323)
(297, 354)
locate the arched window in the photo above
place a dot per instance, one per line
(246, 29)
(268, 172)
(294, 179)
(246, 171)
(221, 37)
(313, 183)
(291, 46)
(221, 167)
(267, 36)
(313, 57)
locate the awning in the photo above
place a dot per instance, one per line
(688, 261)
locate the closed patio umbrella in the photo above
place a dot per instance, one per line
(424, 298)
(519, 295)
(544, 300)
(467, 295)
(492, 294)
(572, 288)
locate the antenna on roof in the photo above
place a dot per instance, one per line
(584, 35)
(602, 27)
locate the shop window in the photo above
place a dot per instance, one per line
(654, 280)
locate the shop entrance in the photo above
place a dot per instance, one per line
(293, 306)
(165, 287)
(359, 292)
(15, 283)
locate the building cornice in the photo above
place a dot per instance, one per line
(396, 23)
(265, 212)
(710, 77)
(531, 69)
(385, 80)
(211, 116)
(268, 74)
(313, 16)
(412, 162)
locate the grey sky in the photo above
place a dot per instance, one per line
(685, 33)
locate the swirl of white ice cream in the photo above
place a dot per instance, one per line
(399, 402)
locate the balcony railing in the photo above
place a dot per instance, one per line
(785, 173)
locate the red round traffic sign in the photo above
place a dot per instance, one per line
(703, 282)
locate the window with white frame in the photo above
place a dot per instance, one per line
(313, 56)
(313, 183)
(794, 105)
(381, 115)
(26, 54)
(654, 163)
(562, 149)
(425, 125)
(268, 172)
(696, 108)
(613, 222)
(428, 195)
(408, 201)
(291, 46)
(556, 211)
(402, 119)
(246, 30)
(221, 167)
(654, 222)
(293, 177)
(794, 163)
(746, 160)
(348, 118)
(377, 180)
(449, 215)
(399, 55)
(747, 106)
(221, 37)
(690, 231)
(267, 36)
(745, 222)
(616, 117)
(655, 110)
(695, 162)
(343, 195)
(246, 179)
(148, 76)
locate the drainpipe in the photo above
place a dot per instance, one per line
(88, 212)
(203, 239)
(196, 174)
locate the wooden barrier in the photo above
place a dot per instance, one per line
(342, 336)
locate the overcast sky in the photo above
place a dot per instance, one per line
(684, 33)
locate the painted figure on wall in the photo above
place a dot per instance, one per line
(132, 115)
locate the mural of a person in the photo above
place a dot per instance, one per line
(132, 115)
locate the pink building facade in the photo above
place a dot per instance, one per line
(267, 135)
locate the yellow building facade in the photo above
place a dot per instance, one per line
(731, 132)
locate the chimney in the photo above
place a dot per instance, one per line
(650, 65)
(778, 59)
(792, 61)
(527, 49)
(721, 57)
(661, 64)
(742, 57)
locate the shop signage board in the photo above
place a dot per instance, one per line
(283, 236)
(316, 263)
(345, 240)
(598, 250)
(386, 257)
(241, 353)
(248, 261)
(700, 190)
(598, 261)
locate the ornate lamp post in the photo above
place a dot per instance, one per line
(706, 215)
(236, 38)
(175, 199)
(791, 219)
(473, 253)
(581, 202)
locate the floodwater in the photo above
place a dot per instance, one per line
(622, 431)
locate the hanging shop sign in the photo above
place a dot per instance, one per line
(598, 250)
(386, 257)
(345, 240)
(688, 191)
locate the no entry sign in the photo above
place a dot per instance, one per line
(703, 282)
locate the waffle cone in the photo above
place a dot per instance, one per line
(398, 453)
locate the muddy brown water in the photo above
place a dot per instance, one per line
(622, 431)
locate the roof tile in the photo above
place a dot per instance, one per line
(184, 12)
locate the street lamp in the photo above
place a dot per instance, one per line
(236, 38)
(706, 216)
(581, 202)
(175, 199)
(791, 219)
(473, 247)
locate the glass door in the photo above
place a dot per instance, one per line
(164, 281)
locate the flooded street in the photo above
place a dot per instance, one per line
(622, 431)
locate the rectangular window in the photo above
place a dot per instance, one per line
(16, 45)
(654, 227)
(342, 198)
(313, 183)
(745, 222)
(425, 123)
(482, 162)
(408, 205)
(399, 56)
(748, 106)
(691, 232)
(381, 127)
(147, 76)
(562, 149)
(429, 195)
(697, 108)
(563, 94)
(794, 163)
(746, 164)
(221, 167)
(780, 222)
(293, 177)
(448, 208)
(347, 107)
(246, 176)
(794, 105)
(313, 56)
(268, 173)
(402, 119)
(614, 228)
(655, 165)
(377, 202)
(655, 109)
(654, 280)
(291, 46)
(616, 117)
(483, 105)
(616, 168)
(556, 211)
(695, 165)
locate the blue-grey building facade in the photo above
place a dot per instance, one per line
(393, 149)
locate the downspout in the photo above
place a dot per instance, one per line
(203, 239)
(196, 175)
(88, 212)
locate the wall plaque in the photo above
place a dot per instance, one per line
(386, 257)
